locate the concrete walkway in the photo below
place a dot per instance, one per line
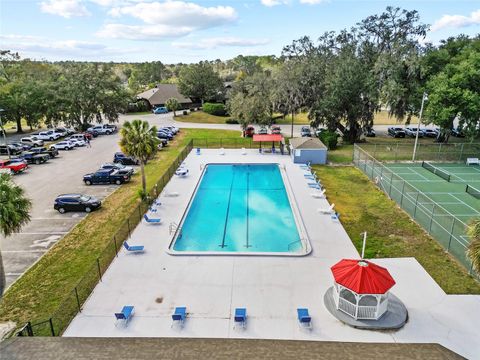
(271, 288)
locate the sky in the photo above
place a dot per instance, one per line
(187, 31)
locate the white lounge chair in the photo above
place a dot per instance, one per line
(319, 194)
(327, 211)
(172, 194)
(244, 152)
(473, 161)
(222, 151)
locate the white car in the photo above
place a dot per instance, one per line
(34, 141)
(49, 135)
(76, 141)
(63, 145)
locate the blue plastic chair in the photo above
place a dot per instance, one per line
(314, 185)
(240, 317)
(198, 151)
(134, 248)
(179, 315)
(304, 318)
(151, 220)
(125, 315)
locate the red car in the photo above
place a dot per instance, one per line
(15, 167)
(87, 135)
(249, 131)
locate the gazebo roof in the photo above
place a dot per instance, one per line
(362, 276)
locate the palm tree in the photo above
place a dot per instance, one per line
(172, 104)
(14, 207)
(140, 141)
(473, 251)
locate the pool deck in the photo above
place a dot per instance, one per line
(270, 287)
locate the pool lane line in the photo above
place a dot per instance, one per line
(248, 211)
(222, 245)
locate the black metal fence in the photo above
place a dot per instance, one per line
(72, 304)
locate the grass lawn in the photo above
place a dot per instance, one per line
(38, 293)
(202, 118)
(391, 232)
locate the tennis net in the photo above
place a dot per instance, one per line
(439, 172)
(472, 191)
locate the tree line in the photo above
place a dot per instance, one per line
(340, 79)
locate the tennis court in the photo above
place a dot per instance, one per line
(440, 196)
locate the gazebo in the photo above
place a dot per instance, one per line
(361, 288)
(267, 138)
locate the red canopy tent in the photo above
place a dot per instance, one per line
(269, 137)
(362, 276)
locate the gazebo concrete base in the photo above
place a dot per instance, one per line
(394, 318)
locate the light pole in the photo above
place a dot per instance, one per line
(424, 98)
(3, 132)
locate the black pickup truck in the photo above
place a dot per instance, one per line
(106, 176)
(33, 158)
(52, 152)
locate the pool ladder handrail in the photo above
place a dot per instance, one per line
(302, 241)
(173, 228)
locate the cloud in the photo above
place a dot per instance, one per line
(166, 20)
(212, 43)
(74, 49)
(143, 32)
(457, 21)
(312, 2)
(65, 8)
(271, 3)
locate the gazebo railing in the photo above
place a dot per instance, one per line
(346, 306)
(367, 312)
(359, 312)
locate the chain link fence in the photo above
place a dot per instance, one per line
(442, 225)
(72, 304)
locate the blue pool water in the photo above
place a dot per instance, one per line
(239, 208)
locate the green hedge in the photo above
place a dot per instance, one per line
(329, 138)
(231, 121)
(215, 109)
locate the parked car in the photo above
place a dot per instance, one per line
(249, 131)
(412, 132)
(167, 130)
(87, 135)
(106, 176)
(52, 152)
(121, 158)
(64, 131)
(111, 127)
(49, 135)
(32, 140)
(275, 129)
(369, 132)
(160, 110)
(76, 202)
(101, 130)
(396, 132)
(81, 136)
(76, 141)
(263, 130)
(92, 133)
(164, 135)
(64, 145)
(13, 167)
(457, 133)
(122, 169)
(431, 133)
(305, 131)
(173, 129)
(20, 145)
(33, 158)
(10, 149)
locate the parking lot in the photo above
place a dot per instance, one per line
(42, 184)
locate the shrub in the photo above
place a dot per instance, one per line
(329, 138)
(231, 121)
(215, 109)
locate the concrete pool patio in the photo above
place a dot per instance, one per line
(270, 287)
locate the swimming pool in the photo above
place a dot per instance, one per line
(240, 208)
